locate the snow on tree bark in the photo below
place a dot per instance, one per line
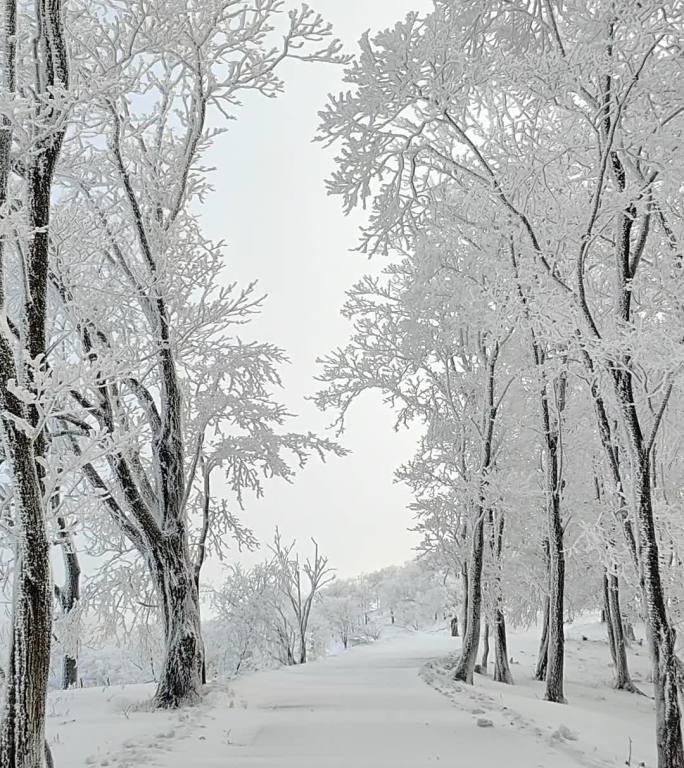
(22, 729)
(543, 654)
(180, 678)
(68, 596)
(464, 604)
(142, 233)
(618, 643)
(502, 671)
(471, 635)
(484, 661)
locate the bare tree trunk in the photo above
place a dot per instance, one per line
(200, 556)
(502, 671)
(68, 596)
(543, 656)
(454, 626)
(302, 645)
(660, 633)
(464, 605)
(552, 433)
(630, 637)
(471, 633)
(180, 680)
(485, 649)
(609, 622)
(556, 652)
(552, 430)
(628, 248)
(623, 680)
(22, 730)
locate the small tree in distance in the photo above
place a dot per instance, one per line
(300, 582)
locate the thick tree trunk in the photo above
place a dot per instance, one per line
(623, 680)
(22, 731)
(471, 635)
(502, 671)
(660, 634)
(454, 626)
(181, 675)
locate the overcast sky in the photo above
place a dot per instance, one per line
(271, 207)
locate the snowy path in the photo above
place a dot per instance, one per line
(367, 708)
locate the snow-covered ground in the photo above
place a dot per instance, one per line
(373, 707)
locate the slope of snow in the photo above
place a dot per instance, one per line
(597, 727)
(371, 707)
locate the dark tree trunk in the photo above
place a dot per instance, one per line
(556, 651)
(200, 556)
(627, 251)
(471, 635)
(464, 604)
(485, 649)
(22, 730)
(543, 656)
(623, 680)
(68, 596)
(630, 637)
(660, 634)
(454, 626)
(609, 622)
(554, 482)
(181, 674)
(502, 671)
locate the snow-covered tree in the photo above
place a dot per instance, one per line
(556, 128)
(169, 392)
(33, 115)
(298, 582)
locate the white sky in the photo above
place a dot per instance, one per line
(271, 207)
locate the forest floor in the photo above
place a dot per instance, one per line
(379, 706)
